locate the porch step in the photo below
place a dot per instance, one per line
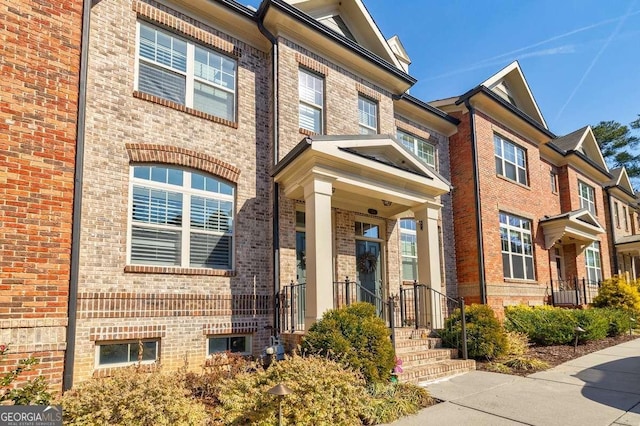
(414, 345)
(412, 333)
(431, 356)
(438, 370)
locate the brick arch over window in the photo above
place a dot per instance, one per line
(165, 154)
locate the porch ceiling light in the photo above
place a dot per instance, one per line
(386, 203)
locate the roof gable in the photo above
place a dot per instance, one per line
(351, 19)
(584, 142)
(621, 179)
(510, 84)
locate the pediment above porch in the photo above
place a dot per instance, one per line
(578, 227)
(629, 244)
(366, 172)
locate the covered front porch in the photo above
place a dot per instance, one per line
(628, 256)
(347, 194)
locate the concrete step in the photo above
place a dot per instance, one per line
(438, 370)
(431, 356)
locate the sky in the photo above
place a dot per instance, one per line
(581, 58)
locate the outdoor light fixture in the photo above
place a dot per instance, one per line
(631, 321)
(280, 390)
(419, 222)
(579, 330)
(372, 211)
(386, 203)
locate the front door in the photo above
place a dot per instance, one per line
(369, 270)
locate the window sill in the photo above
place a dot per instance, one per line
(519, 281)
(513, 181)
(141, 269)
(307, 132)
(174, 105)
(107, 371)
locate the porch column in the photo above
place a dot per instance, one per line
(319, 292)
(428, 246)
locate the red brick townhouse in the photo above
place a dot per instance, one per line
(39, 96)
(623, 220)
(230, 152)
(530, 219)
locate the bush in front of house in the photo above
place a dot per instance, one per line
(132, 397)
(616, 292)
(323, 392)
(544, 325)
(486, 338)
(594, 322)
(388, 402)
(356, 336)
(619, 320)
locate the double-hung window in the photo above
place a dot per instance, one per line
(421, 148)
(367, 116)
(180, 218)
(592, 260)
(511, 161)
(409, 249)
(517, 247)
(587, 197)
(311, 93)
(186, 73)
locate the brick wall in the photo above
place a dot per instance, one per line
(38, 108)
(124, 128)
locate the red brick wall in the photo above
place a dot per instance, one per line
(38, 107)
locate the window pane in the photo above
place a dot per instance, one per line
(522, 176)
(518, 266)
(217, 345)
(409, 224)
(310, 118)
(162, 48)
(162, 83)
(409, 269)
(506, 267)
(215, 68)
(213, 101)
(113, 354)
(497, 146)
(238, 344)
(155, 246)
(529, 268)
(510, 171)
(212, 215)
(210, 251)
(300, 219)
(156, 206)
(148, 351)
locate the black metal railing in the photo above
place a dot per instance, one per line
(291, 307)
(347, 292)
(573, 292)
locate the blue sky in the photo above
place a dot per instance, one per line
(581, 58)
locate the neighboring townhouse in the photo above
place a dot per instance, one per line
(528, 210)
(623, 220)
(231, 152)
(38, 111)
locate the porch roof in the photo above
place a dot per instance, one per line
(366, 172)
(628, 244)
(577, 226)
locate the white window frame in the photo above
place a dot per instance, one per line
(365, 128)
(411, 233)
(554, 182)
(312, 105)
(416, 145)
(593, 270)
(588, 198)
(99, 345)
(248, 343)
(616, 214)
(189, 74)
(626, 220)
(185, 228)
(517, 231)
(503, 162)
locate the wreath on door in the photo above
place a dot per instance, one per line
(367, 262)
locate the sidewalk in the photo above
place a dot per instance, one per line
(602, 388)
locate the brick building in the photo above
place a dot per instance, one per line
(529, 214)
(230, 152)
(38, 110)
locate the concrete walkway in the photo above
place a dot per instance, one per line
(602, 388)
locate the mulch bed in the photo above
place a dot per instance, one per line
(558, 354)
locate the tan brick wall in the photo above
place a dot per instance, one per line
(38, 110)
(122, 128)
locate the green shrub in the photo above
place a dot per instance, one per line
(131, 397)
(618, 319)
(323, 392)
(486, 338)
(388, 402)
(29, 392)
(526, 364)
(616, 292)
(356, 336)
(594, 322)
(544, 325)
(517, 343)
(498, 367)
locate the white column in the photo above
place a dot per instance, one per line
(428, 244)
(319, 292)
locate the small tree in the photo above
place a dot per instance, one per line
(356, 336)
(616, 292)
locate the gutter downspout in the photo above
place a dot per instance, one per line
(72, 309)
(610, 226)
(276, 152)
(476, 187)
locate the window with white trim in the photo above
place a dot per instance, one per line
(367, 116)
(553, 176)
(587, 197)
(592, 260)
(616, 214)
(180, 218)
(311, 93)
(626, 220)
(115, 354)
(517, 247)
(239, 343)
(420, 147)
(511, 160)
(186, 73)
(409, 249)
